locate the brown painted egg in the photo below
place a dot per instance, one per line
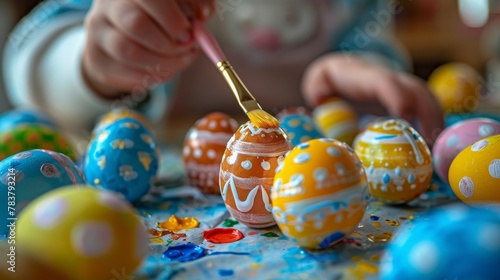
(247, 173)
(397, 160)
(203, 148)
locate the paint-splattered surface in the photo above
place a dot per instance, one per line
(262, 253)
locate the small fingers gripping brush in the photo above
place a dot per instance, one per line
(258, 117)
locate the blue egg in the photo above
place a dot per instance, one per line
(123, 158)
(17, 117)
(27, 175)
(452, 242)
(300, 128)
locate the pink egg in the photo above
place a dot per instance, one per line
(457, 137)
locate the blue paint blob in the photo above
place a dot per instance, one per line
(332, 238)
(225, 272)
(374, 218)
(184, 253)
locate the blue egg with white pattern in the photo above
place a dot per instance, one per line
(299, 128)
(14, 118)
(123, 158)
(452, 242)
(27, 175)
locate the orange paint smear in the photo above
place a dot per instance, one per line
(175, 223)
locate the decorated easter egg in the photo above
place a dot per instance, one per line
(475, 172)
(30, 174)
(457, 86)
(337, 119)
(84, 232)
(247, 173)
(118, 114)
(320, 193)
(34, 136)
(299, 125)
(17, 117)
(123, 157)
(458, 136)
(397, 160)
(203, 148)
(452, 242)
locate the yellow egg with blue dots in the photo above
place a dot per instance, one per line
(319, 193)
(397, 160)
(84, 232)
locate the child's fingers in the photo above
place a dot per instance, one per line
(428, 110)
(170, 17)
(109, 76)
(127, 52)
(132, 21)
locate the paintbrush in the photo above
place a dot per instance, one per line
(258, 117)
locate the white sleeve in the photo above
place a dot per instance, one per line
(46, 74)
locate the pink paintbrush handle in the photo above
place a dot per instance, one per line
(208, 43)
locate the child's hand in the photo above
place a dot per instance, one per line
(135, 44)
(403, 95)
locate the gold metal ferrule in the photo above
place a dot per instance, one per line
(245, 98)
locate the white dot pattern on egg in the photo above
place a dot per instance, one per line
(91, 238)
(494, 169)
(48, 213)
(424, 256)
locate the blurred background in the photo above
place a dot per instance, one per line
(434, 32)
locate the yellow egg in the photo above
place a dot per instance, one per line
(337, 119)
(18, 264)
(457, 87)
(83, 232)
(397, 160)
(319, 193)
(475, 172)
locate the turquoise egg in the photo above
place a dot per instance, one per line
(123, 157)
(27, 175)
(299, 128)
(452, 242)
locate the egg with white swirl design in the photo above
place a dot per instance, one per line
(397, 160)
(320, 193)
(247, 172)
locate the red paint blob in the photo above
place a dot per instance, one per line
(222, 235)
(252, 233)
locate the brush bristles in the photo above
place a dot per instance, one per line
(262, 119)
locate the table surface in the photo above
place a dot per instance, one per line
(266, 253)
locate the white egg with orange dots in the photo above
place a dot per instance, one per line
(320, 193)
(203, 148)
(247, 172)
(397, 160)
(475, 172)
(337, 119)
(84, 232)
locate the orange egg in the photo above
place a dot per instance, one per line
(203, 148)
(320, 193)
(247, 173)
(475, 172)
(397, 160)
